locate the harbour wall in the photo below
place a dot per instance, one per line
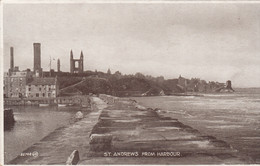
(76, 100)
(119, 127)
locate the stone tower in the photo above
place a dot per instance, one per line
(71, 62)
(229, 86)
(81, 67)
(76, 65)
(37, 59)
(58, 65)
(11, 58)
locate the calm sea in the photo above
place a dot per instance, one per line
(232, 117)
(32, 124)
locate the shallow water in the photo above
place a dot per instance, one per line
(232, 117)
(32, 124)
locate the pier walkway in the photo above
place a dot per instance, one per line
(128, 133)
(119, 131)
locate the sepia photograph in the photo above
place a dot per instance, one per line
(142, 82)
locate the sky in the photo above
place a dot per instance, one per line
(210, 41)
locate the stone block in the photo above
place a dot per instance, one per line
(100, 142)
(100, 147)
(79, 115)
(100, 138)
(73, 159)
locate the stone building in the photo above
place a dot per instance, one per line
(42, 88)
(15, 82)
(37, 69)
(182, 83)
(76, 65)
(20, 84)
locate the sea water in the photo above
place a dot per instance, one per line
(231, 117)
(32, 124)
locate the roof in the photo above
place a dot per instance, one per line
(42, 81)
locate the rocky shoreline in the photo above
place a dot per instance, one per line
(120, 131)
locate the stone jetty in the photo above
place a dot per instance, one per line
(128, 133)
(120, 131)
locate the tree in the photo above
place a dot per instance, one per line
(139, 75)
(160, 79)
(118, 73)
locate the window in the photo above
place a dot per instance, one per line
(40, 89)
(29, 89)
(43, 94)
(49, 89)
(76, 64)
(49, 95)
(37, 94)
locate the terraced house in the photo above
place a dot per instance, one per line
(42, 88)
(15, 82)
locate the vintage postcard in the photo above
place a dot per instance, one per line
(130, 82)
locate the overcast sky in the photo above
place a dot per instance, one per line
(211, 41)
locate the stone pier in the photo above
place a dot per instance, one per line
(120, 131)
(128, 133)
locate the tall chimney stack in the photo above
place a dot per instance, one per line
(37, 57)
(11, 58)
(58, 65)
